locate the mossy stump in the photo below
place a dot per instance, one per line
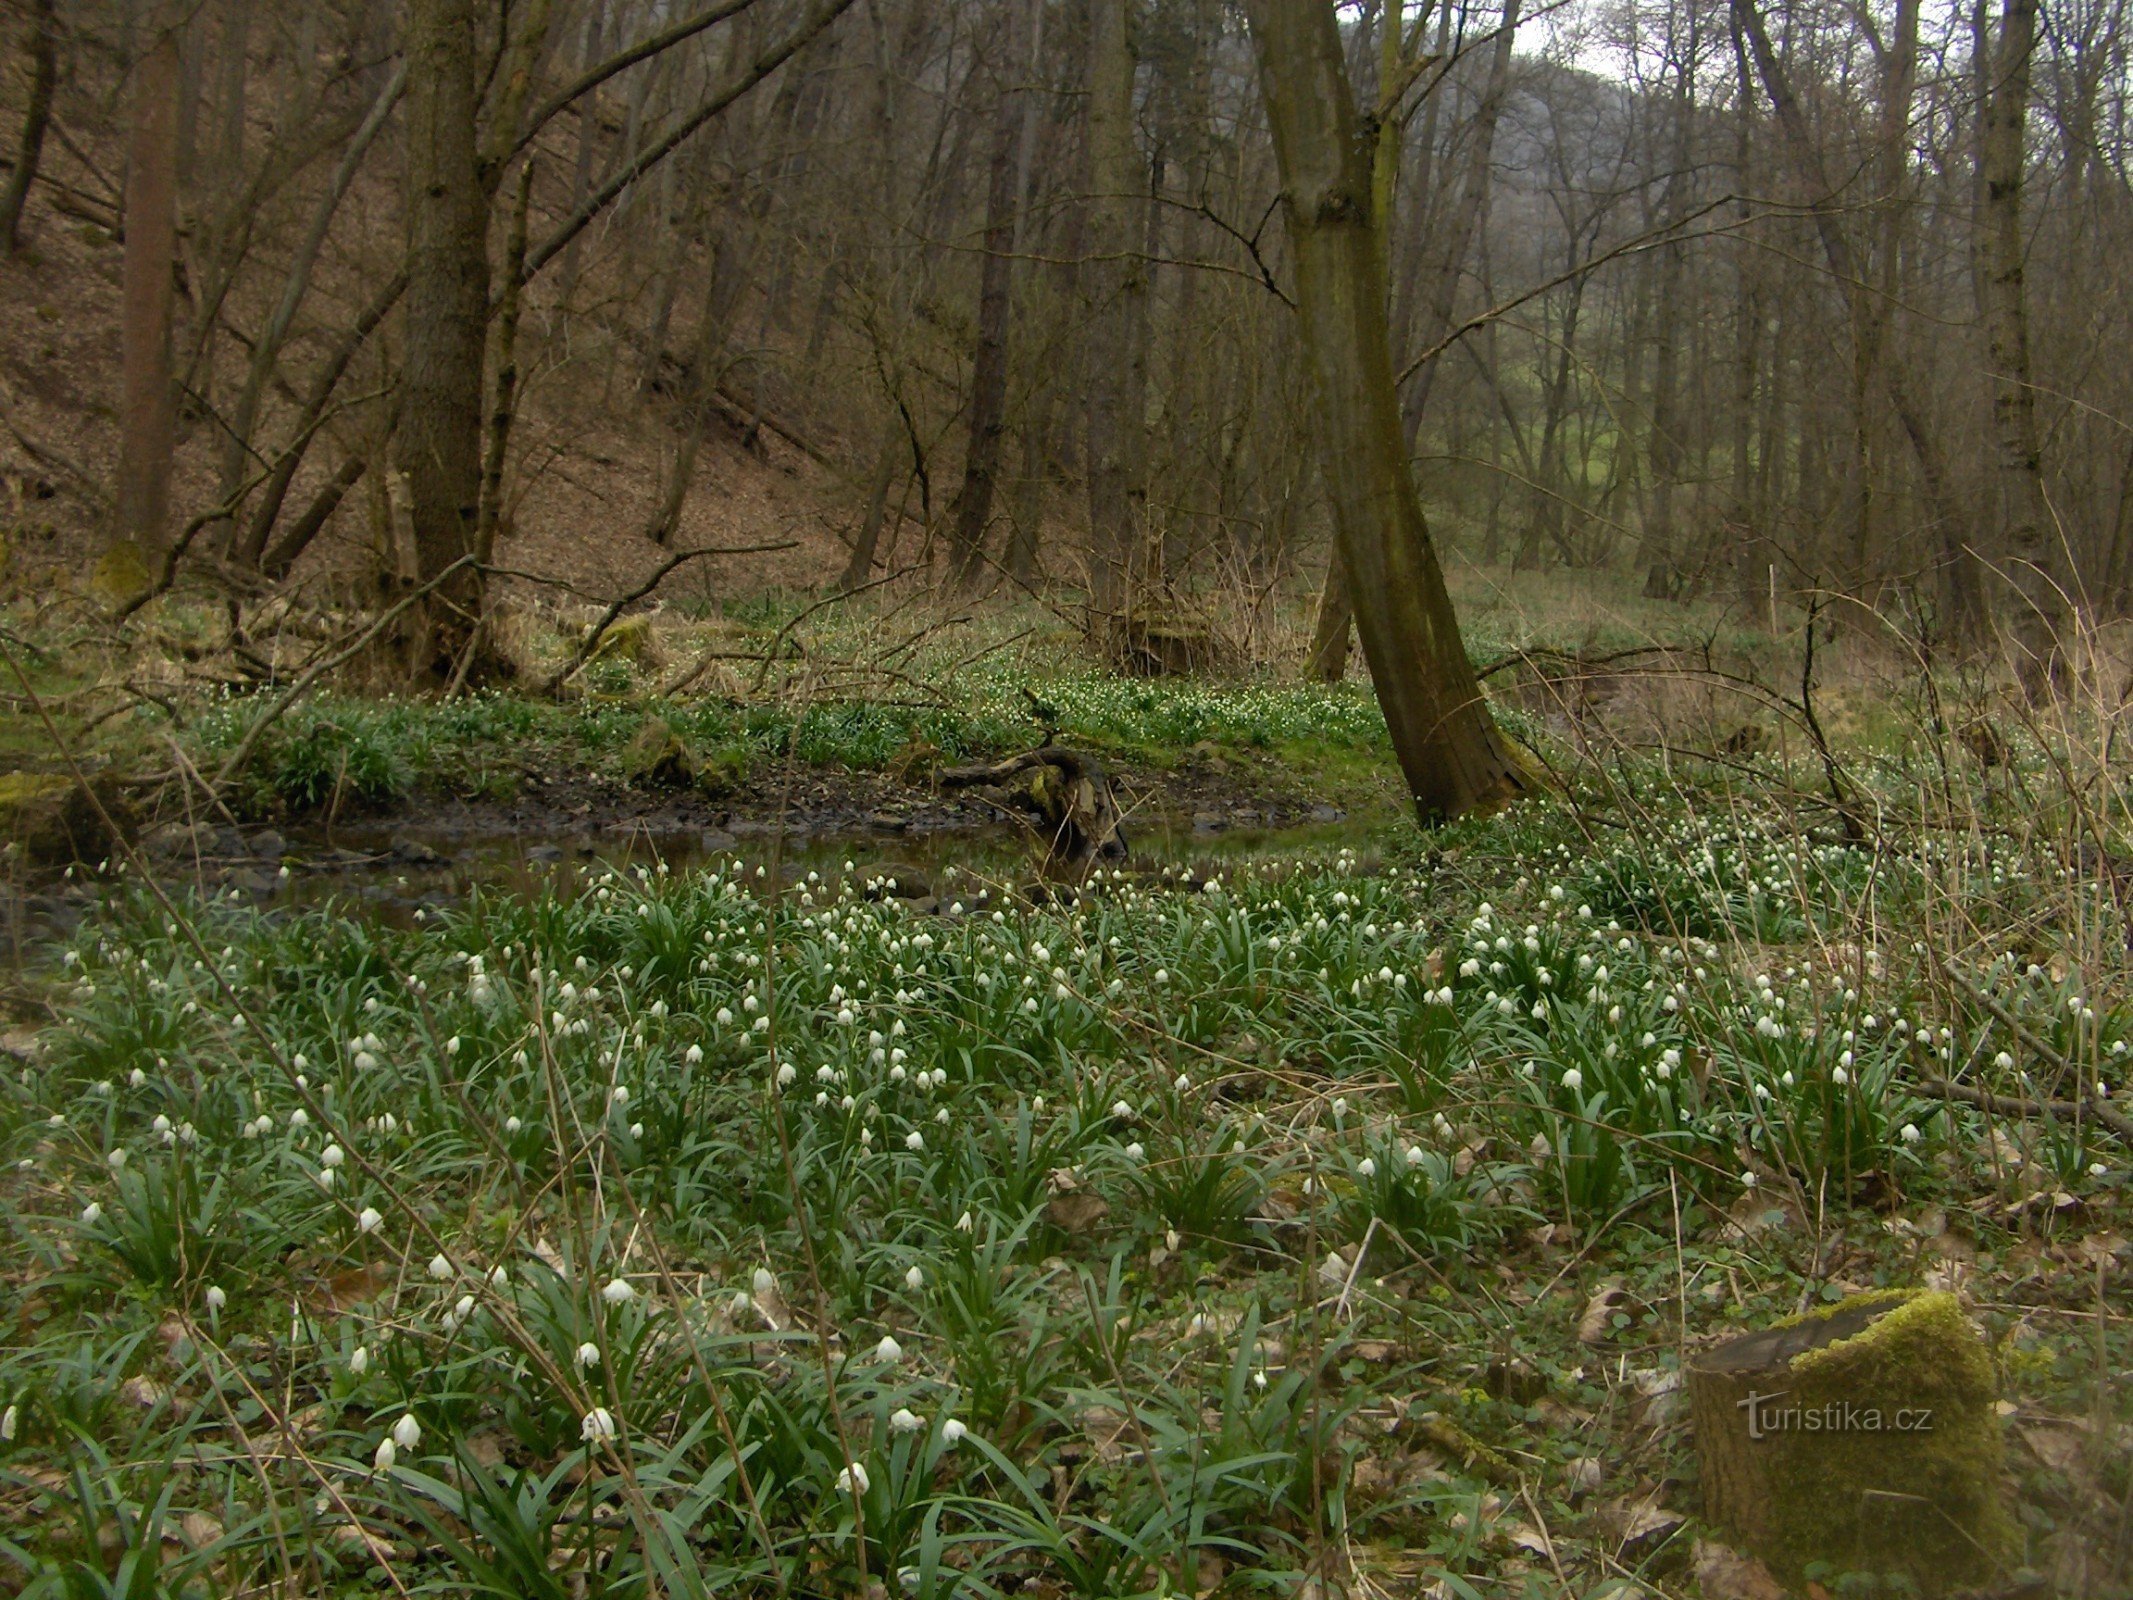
(1860, 1438)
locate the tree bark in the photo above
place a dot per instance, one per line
(43, 52)
(439, 447)
(1118, 331)
(2030, 543)
(1453, 756)
(148, 410)
(988, 376)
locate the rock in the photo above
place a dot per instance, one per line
(544, 852)
(1208, 822)
(894, 881)
(888, 821)
(413, 852)
(47, 819)
(269, 845)
(659, 758)
(1327, 814)
(171, 841)
(714, 840)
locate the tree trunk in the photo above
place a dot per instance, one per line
(1118, 324)
(439, 447)
(2029, 540)
(1448, 745)
(1336, 620)
(148, 417)
(988, 376)
(36, 117)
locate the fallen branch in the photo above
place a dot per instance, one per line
(593, 636)
(2015, 1105)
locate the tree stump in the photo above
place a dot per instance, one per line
(1861, 1438)
(1064, 798)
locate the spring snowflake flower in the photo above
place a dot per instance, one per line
(369, 1221)
(953, 1432)
(1747, 1180)
(787, 1072)
(588, 1355)
(1122, 1111)
(1134, 1152)
(965, 1223)
(440, 1268)
(888, 1352)
(1573, 1080)
(216, 1297)
(117, 1159)
(332, 1156)
(1366, 1168)
(853, 1479)
(904, 1420)
(407, 1432)
(1910, 1134)
(915, 1279)
(618, 1291)
(512, 1124)
(92, 1214)
(359, 1360)
(1414, 1155)
(599, 1424)
(387, 1454)
(914, 1140)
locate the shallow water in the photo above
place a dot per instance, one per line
(389, 872)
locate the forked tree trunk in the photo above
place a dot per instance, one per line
(1454, 758)
(36, 117)
(148, 419)
(439, 447)
(2030, 541)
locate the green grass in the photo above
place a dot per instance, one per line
(733, 1241)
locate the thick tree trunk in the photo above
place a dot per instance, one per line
(439, 447)
(988, 376)
(2029, 540)
(1448, 745)
(1117, 378)
(148, 416)
(43, 51)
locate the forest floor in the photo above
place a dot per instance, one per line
(1307, 1205)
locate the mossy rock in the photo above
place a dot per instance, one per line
(47, 820)
(1860, 1438)
(120, 576)
(631, 639)
(659, 758)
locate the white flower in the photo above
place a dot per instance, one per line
(618, 1291)
(914, 1140)
(1366, 1168)
(952, 1431)
(904, 1420)
(117, 1158)
(8, 1420)
(368, 1220)
(915, 1278)
(1747, 1180)
(1910, 1133)
(332, 1156)
(588, 1355)
(512, 1124)
(1122, 1111)
(92, 1214)
(464, 1309)
(407, 1432)
(853, 1479)
(764, 1282)
(440, 1268)
(1573, 1080)
(386, 1456)
(1414, 1155)
(1340, 1105)
(888, 1352)
(359, 1360)
(787, 1072)
(1134, 1151)
(965, 1223)
(599, 1424)
(216, 1298)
